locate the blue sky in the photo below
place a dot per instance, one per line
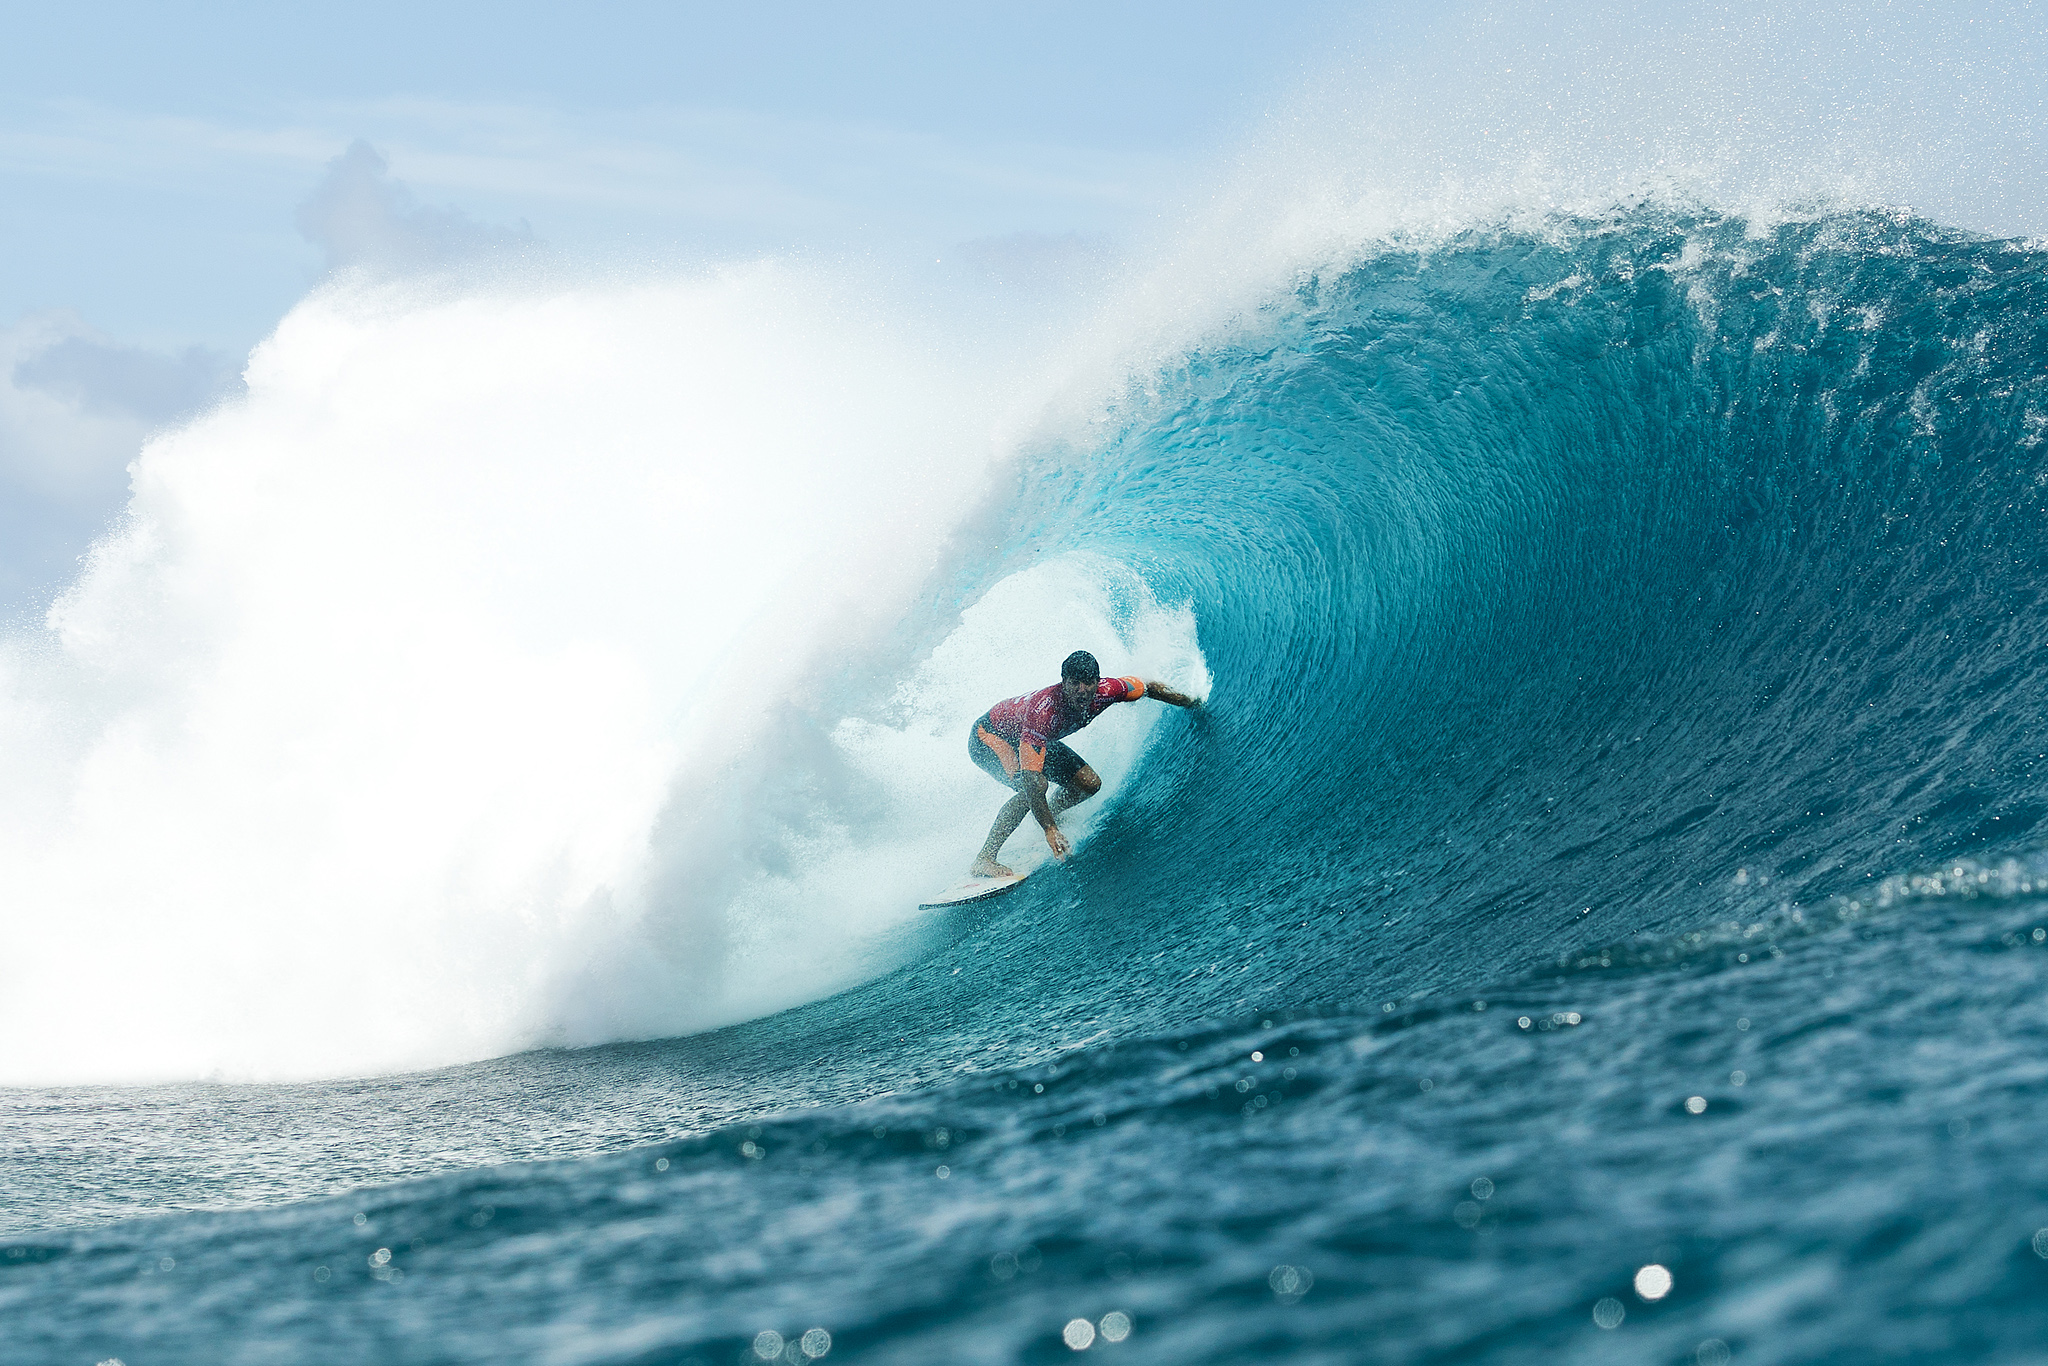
(152, 156)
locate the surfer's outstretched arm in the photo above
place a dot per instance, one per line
(1170, 695)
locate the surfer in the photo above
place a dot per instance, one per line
(1017, 742)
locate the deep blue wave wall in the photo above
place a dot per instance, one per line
(1583, 572)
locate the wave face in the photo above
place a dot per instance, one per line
(1610, 842)
(1567, 590)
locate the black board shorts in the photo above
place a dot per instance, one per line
(997, 757)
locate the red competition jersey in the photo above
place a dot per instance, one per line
(1030, 721)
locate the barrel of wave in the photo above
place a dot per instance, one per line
(911, 809)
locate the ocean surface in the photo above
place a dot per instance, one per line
(1601, 913)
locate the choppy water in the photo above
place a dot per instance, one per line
(1612, 843)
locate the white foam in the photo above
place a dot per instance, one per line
(351, 741)
(470, 686)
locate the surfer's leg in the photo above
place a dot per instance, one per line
(1079, 787)
(1006, 823)
(1077, 781)
(1002, 766)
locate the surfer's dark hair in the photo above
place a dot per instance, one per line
(1081, 665)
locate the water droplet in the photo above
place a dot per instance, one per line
(1116, 1326)
(1290, 1283)
(1653, 1282)
(1609, 1313)
(1079, 1334)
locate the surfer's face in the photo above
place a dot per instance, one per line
(1075, 692)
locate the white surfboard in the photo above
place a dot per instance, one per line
(973, 889)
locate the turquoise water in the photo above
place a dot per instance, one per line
(1612, 845)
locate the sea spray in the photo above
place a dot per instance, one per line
(348, 746)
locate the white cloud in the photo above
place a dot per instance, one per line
(97, 377)
(362, 219)
(75, 408)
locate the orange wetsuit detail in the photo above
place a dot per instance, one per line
(1004, 750)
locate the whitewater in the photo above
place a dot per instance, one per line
(465, 821)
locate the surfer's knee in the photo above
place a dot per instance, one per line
(1084, 783)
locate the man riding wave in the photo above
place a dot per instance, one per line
(1017, 742)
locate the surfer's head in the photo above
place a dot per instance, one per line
(1078, 677)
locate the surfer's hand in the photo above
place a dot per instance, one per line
(1059, 843)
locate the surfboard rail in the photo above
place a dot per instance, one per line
(971, 889)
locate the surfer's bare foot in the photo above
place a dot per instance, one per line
(988, 867)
